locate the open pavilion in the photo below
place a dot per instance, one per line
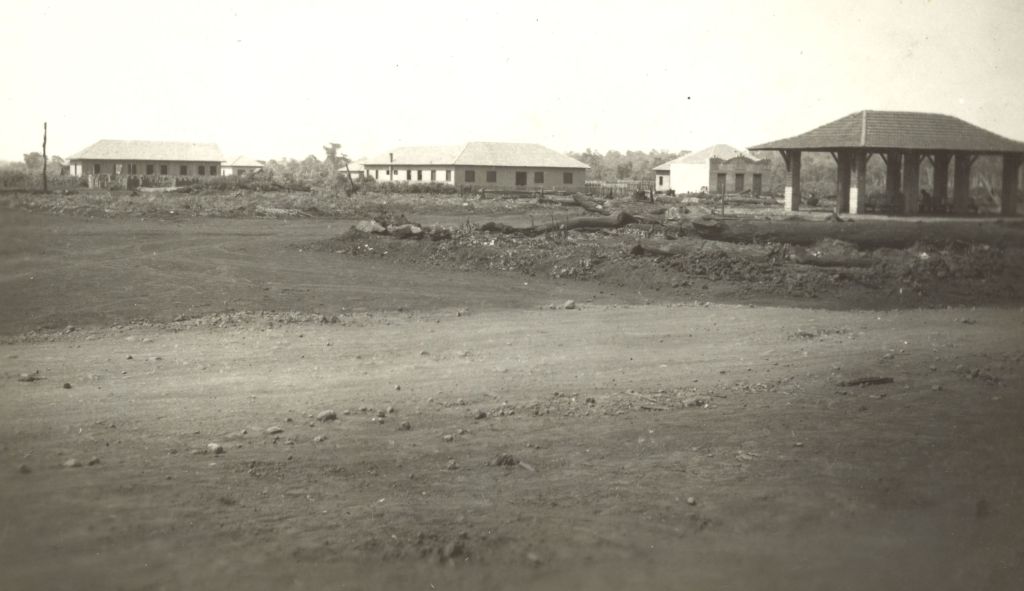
(903, 140)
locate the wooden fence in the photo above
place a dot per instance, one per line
(619, 189)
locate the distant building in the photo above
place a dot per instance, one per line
(240, 165)
(481, 165)
(355, 170)
(717, 169)
(144, 158)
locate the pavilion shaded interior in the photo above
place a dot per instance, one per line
(903, 140)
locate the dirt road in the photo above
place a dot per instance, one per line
(652, 447)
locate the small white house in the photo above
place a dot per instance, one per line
(716, 169)
(240, 165)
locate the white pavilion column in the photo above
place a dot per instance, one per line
(859, 185)
(792, 192)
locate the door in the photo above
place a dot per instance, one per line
(757, 185)
(739, 183)
(520, 179)
(721, 183)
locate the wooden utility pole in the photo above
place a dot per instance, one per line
(44, 158)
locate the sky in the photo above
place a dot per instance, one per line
(281, 79)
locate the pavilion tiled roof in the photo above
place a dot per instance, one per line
(903, 130)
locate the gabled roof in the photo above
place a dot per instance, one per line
(478, 154)
(418, 156)
(509, 154)
(145, 150)
(898, 130)
(719, 151)
(244, 161)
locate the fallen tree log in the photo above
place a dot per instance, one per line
(589, 205)
(803, 257)
(864, 234)
(617, 219)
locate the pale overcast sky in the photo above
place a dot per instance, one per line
(273, 79)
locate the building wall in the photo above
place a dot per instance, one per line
(694, 178)
(732, 169)
(407, 173)
(689, 178)
(110, 167)
(505, 178)
(236, 170)
(662, 181)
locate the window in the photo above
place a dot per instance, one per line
(470, 176)
(567, 178)
(492, 176)
(376, 173)
(661, 180)
(390, 172)
(183, 170)
(202, 170)
(433, 175)
(118, 168)
(95, 168)
(419, 175)
(538, 178)
(133, 169)
(408, 174)
(150, 169)
(213, 170)
(163, 169)
(520, 179)
(448, 176)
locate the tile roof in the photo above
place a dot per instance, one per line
(479, 154)
(509, 154)
(720, 151)
(145, 150)
(418, 156)
(900, 130)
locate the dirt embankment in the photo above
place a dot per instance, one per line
(945, 263)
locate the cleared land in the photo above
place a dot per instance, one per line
(644, 439)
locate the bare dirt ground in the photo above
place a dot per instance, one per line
(482, 440)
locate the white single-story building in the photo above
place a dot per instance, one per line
(481, 165)
(116, 158)
(240, 165)
(716, 169)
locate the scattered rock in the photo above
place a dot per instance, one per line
(215, 448)
(29, 377)
(452, 550)
(390, 410)
(448, 437)
(326, 415)
(691, 501)
(382, 413)
(533, 558)
(569, 305)
(504, 460)
(274, 430)
(93, 461)
(72, 463)
(481, 414)
(319, 439)
(370, 227)
(452, 465)
(24, 469)
(67, 385)
(405, 426)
